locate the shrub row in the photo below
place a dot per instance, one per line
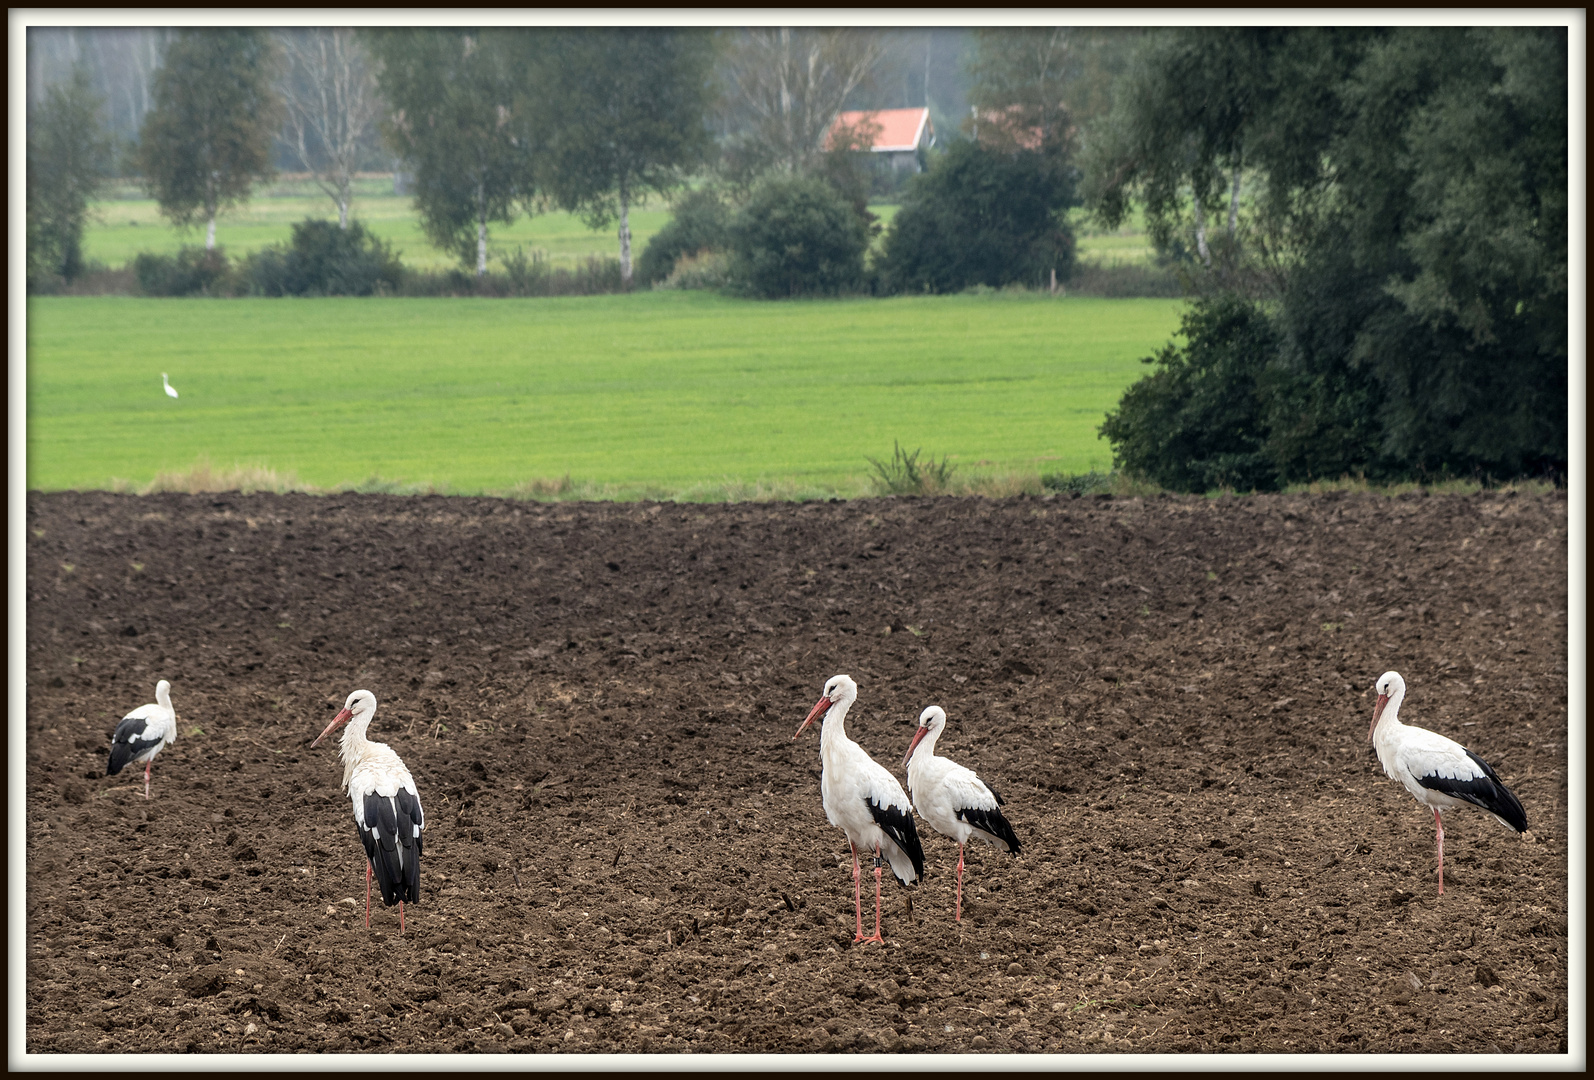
(324, 260)
(979, 218)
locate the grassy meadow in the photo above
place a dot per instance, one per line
(128, 224)
(688, 395)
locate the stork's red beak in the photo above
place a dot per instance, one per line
(336, 720)
(917, 735)
(817, 710)
(1378, 710)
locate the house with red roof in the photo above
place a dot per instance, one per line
(898, 134)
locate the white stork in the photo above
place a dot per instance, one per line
(143, 733)
(863, 800)
(951, 798)
(387, 808)
(1439, 773)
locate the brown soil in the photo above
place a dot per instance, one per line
(626, 851)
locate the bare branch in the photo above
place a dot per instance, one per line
(332, 107)
(791, 83)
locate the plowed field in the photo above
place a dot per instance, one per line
(625, 848)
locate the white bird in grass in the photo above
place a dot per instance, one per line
(951, 798)
(387, 808)
(143, 733)
(1439, 773)
(863, 800)
(171, 391)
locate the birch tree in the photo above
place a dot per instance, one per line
(452, 93)
(332, 107)
(786, 85)
(207, 141)
(623, 114)
(68, 149)
(1178, 133)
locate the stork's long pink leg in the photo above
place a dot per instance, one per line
(401, 916)
(877, 936)
(857, 891)
(960, 884)
(147, 764)
(368, 895)
(1439, 825)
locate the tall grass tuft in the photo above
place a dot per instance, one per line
(203, 477)
(904, 475)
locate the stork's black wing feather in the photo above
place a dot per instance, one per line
(898, 824)
(411, 820)
(1484, 791)
(382, 846)
(129, 742)
(992, 822)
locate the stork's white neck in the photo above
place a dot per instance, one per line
(833, 731)
(355, 743)
(163, 695)
(932, 732)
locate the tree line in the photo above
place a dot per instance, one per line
(1389, 298)
(1371, 222)
(492, 123)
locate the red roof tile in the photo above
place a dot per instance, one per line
(900, 129)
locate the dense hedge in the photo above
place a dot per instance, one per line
(193, 271)
(981, 217)
(324, 260)
(1198, 421)
(797, 236)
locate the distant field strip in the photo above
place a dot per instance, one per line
(120, 228)
(651, 392)
(123, 228)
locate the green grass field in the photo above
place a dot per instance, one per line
(686, 394)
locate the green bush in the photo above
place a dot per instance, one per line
(322, 259)
(797, 236)
(981, 217)
(1199, 421)
(701, 223)
(193, 271)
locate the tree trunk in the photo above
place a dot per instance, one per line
(343, 207)
(1234, 202)
(210, 234)
(481, 231)
(625, 243)
(1201, 233)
